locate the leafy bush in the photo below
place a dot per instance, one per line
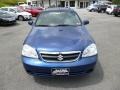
(2, 5)
(10, 2)
(116, 1)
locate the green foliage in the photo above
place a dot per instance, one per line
(116, 1)
(2, 5)
(10, 2)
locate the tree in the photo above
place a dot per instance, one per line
(11, 2)
(116, 1)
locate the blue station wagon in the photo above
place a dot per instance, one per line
(59, 45)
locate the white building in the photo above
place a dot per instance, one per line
(74, 3)
(61, 3)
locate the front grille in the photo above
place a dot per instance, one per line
(60, 56)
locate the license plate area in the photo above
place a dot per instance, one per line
(60, 71)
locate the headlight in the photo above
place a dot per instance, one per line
(28, 51)
(91, 50)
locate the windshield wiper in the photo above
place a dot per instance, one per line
(65, 25)
(56, 25)
(43, 25)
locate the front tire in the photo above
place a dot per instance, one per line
(99, 11)
(91, 10)
(102, 11)
(20, 18)
(115, 15)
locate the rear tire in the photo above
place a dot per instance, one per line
(20, 18)
(89, 10)
(102, 11)
(92, 10)
(115, 15)
(99, 11)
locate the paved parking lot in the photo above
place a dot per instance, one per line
(106, 31)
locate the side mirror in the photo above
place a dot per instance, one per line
(30, 22)
(85, 22)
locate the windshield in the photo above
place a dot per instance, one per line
(58, 18)
(19, 10)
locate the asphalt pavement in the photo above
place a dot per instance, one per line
(104, 28)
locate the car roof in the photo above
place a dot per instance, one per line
(58, 9)
(8, 7)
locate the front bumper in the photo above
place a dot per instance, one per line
(28, 17)
(36, 67)
(7, 22)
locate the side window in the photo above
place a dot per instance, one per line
(5, 9)
(12, 10)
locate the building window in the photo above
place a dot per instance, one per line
(34, 2)
(72, 3)
(62, 3)
(87, 3)
(29, 3)
(81, 4)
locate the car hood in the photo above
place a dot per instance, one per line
(59, 38)
(36, 10)
(23, 13)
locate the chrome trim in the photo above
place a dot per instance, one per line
(69, 52)
(49, 52)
